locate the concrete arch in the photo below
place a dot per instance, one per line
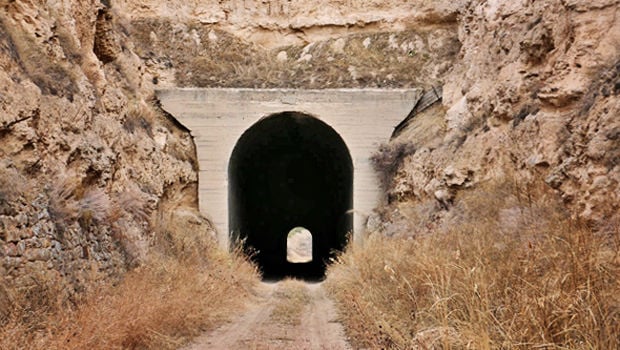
(217, 118)
(290, 169)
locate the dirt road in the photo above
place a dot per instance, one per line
(286, 315)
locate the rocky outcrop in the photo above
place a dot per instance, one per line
(87, 161)
(303, 44)
(106, 46)
(534, 94)
(277, 23)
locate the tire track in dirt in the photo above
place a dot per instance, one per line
(285, 315)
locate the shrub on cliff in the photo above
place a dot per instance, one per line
(388, 158)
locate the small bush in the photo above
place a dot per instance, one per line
(131, 202)
(63, 198)
(388, 158)
(94, 206)
(43, 291)
(129, 215)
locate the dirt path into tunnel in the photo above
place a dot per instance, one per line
(286, 315)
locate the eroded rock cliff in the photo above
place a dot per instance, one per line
(533, 95)
(299, 44)
(90, 169)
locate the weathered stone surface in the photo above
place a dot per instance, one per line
(106, 47)
(37, 254)
(532, 96)
(68, 153)
(10, 249)
(282, 56)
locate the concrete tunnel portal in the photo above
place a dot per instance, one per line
(243, 157)
(290, 170)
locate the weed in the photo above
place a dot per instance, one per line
(294, 297)
(69, 200)
(63, 205)
(133, 202)
(94, 207)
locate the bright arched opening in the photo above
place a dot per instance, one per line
(299, 246)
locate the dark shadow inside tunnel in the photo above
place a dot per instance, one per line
(290, 170)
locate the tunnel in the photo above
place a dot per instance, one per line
(290, 170)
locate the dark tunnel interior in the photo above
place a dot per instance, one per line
(288, 170)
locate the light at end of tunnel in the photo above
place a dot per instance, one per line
(299, 245)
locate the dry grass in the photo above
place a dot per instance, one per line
(71, 200)
(140, 116)
(157, 306)
(94, 206)
(382, 60)
(515, 273)
(130, 202)
(64, 197)
(182, 286)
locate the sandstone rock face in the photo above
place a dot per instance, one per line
(535, 93)
(274, 23)
(294, 44)
(86, 159)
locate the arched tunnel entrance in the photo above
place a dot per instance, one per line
(290, 170)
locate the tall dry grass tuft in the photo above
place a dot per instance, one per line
(70, 200)
(131, 202)
(182, 285)
(140, 117)
(63, 205)
(516, 273)
(94, 206)
(159, 305)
